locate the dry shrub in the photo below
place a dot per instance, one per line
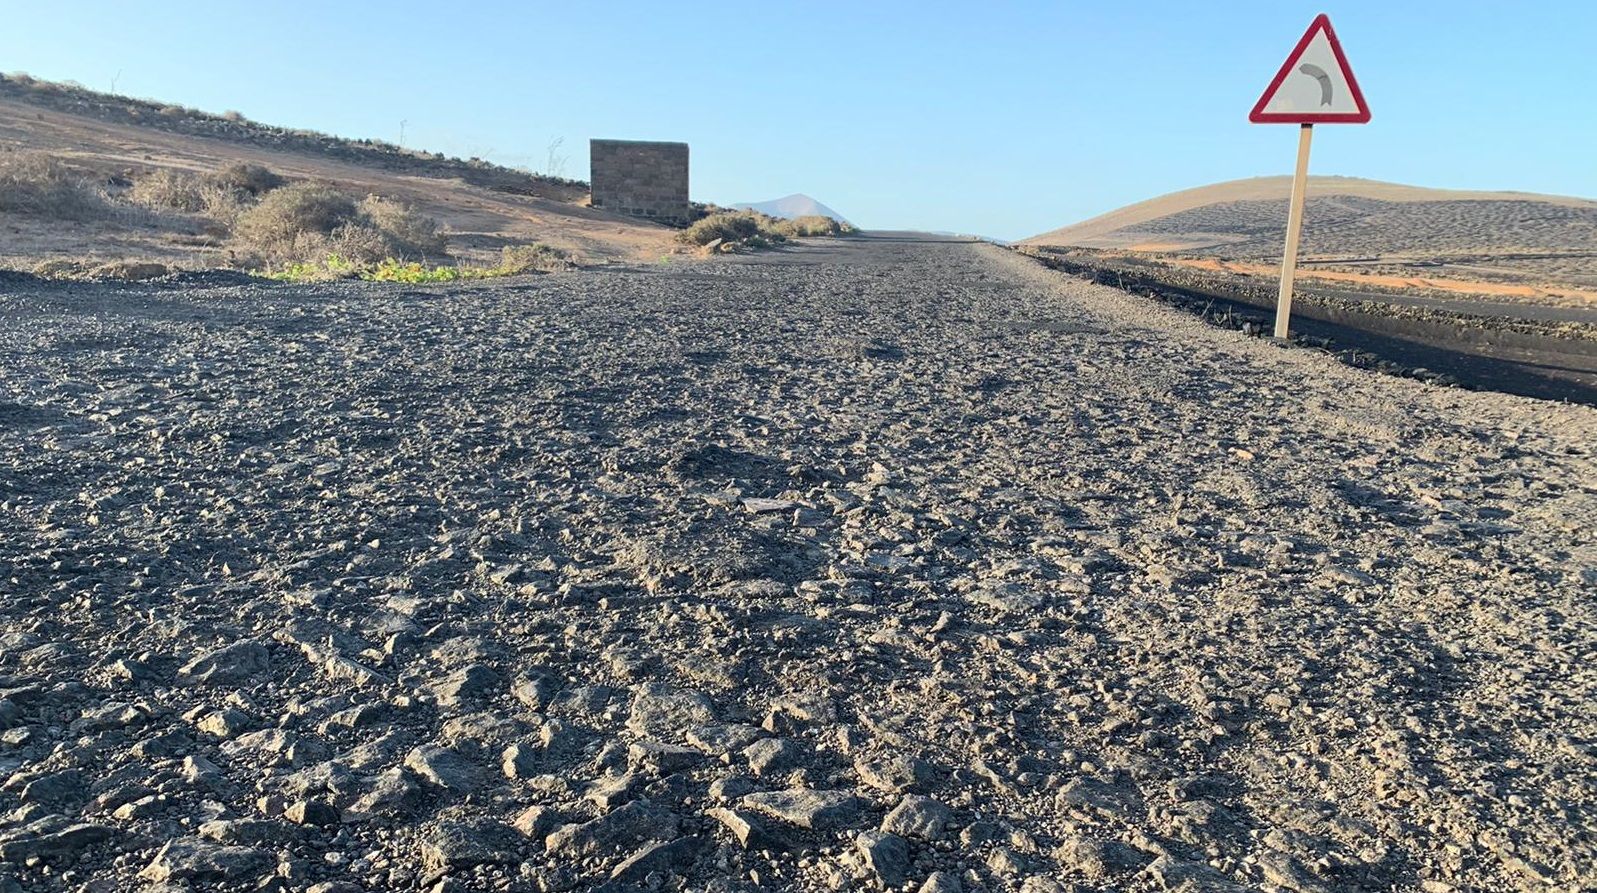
(532, 258)
(355, 242)
(408, 232)
(310, 222)
(291, 213)
(252, 179)
(38, 183)
(170, 190)
(61, 268)
(810, 225)
(224, 206)
(725, 227)
(88, 268)
(167, 189)
(129, 271)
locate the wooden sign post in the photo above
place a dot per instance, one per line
(1294, 227)
(1314, 86)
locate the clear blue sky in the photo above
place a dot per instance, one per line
(1004, 119)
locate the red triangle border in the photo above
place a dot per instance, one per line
(1362, 116)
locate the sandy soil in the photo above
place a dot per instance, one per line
(861, 563)
(480, 220)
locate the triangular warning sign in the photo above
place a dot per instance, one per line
(1315, 86)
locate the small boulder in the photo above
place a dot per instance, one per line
(666, 714)
(750, 830)
(392, 793)
(444, 768)
(312, 812)
(942, 882)
(658, 858)
(471, 683)
(770, 756)
(614, 833)
(230, 665)
(519, 761)
(886, 855)
(453, 846)
(815, 810)
(917, 816)
(225, 723)
(199, 862)
(893, 773)
(536, 821)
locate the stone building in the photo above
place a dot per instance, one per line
(641, 179)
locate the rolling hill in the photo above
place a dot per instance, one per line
(1233, 212)
(1359, 225)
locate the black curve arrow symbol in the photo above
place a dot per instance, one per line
(1318, 73)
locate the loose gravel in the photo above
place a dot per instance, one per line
(863, 564)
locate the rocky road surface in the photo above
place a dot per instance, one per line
(881, 562)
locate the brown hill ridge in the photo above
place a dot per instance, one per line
(1142, 222)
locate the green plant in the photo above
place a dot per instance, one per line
(515, 260)
(332, 266)
(391, 270)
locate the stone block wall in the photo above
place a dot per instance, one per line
(641, 179)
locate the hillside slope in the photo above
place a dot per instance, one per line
(482, 207)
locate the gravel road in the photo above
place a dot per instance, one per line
(873, 562)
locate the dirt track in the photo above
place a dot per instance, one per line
(884, 560)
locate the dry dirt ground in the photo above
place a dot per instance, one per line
(479, 220)
(867, 562)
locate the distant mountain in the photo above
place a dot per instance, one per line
(792, 206)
